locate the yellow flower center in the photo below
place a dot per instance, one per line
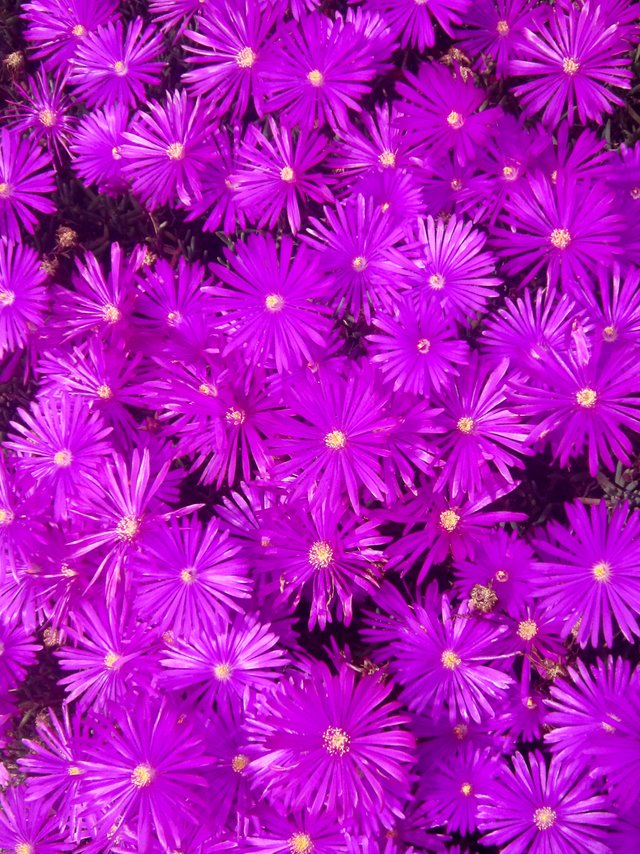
(586, 397)
(7, 298)
(188, 575)
(359, 263)
(104, 392)
(111, 659)
(120, 68)
(208, 390)
(502, 28)
(300, 843)
(287, 175)
(47, 118)
(544, 818)
(466, 789)
(25, 848)
(128, 527)
(175, 151)
(336, 741)
(436, 281)
(246, 57)
(5, 190)
(79, 31)
(222, 672)
(560, 238)
(424, 345)
(570, 65)
(456, 184)
(63, 458)
(6, 516)
(602, 571)
(460, 731)
(115, 153)
(239, 762)
(455, 120)
(274, 303)
(609, 334)
(635, 192)
(502, 576)
(509, 173)
(527, 629)
(320, 555)
(450, 659)
(465, 425)
(111, 313)
(142, 775)
(235, 416)
(449, 520)
(174, 318)
(74, 771)
(315, 77)
(387, 159)
(336, 440)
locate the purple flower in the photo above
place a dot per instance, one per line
(615, 308)
(453, 266)
(493, 32)
(112, 65)
(299, 833)
(277, 172)
(18, 653)
(342, 741)
(538, 809)
(59, 443)
(228, 53)
(96, 148)
(23, 297)
(413, 20)
(590, 574)
(189, 577)
(573, 58)
(25, 177)
(167, 151)
(57, 27)
(268, 303)
(380, 146)
(43, 112)
(441, 660)
(27, 826)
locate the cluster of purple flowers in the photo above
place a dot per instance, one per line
(265, 510)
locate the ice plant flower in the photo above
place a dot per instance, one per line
(493, 32)
(29, 826)
(44, 111)
(55, 28)
(25, 179)
(23, 295)
(412, 21)
(96, 148)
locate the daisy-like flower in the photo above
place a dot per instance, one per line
(480, 429)
(359, 247)
(227, 53)
(380, 146)
(454, 267)
(412, 21)
(43, 110)
(341, 739)
(229, 664)
(590, 574)
(112, 65)
(189, 577)
(167, 150)
(175, 13)
(443, 661)
(23, 296)
(584, 407)
(30, 826)
(277, 172)
(18, 653)
(330, 550)
(334, 436)
(96, 148)
(418, 350)
(493, 31)
(59, 443)
(573, 58)
(614, 306)
(25, 179)
(300, 833)
(568, 227)
(538, 809)
(56, 27)
(442, 112)
(271, 302)
(144, 772)
(317, 69)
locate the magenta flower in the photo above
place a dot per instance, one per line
(96, 148)
(380, 146)
(56, 27)
(23, 297)
(27, 826)
(493, 32)
(167, 151)
(590, 574)
(538, 809)
(270, 302)
(279, 172)
(112, 65)
(574, 57)
(227, 54)
(43, 111)
(343, 742)
(25, 179)
(413, 22)
(18, 653)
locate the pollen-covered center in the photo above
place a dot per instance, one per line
(502, 28)
(63, 458)
(320, 555)
(111, 659)
(79, 31)
(104, 392)
(436, 281)
(423, 345)
(239, 762)
(235, 416)
(175, 151)
(586, 397)
(142, 775)
(128, 527)
(449, 520)
(111, 313)
(300, 843)
(502, 576)
(387, 158)
(274, 303)
(336, 440)
(116, 153)
(455, 120)
(7, 298)
(315, 77)
(246, 57)
(222, 672)
(450, 659)
(188, 575)
(466, 789)
(609, 334)
(544, 818)
(120, 68)
(287, 174)
(560, 238)
(47, 117)
(509, 173)
(336, 741)
(601, 571)
(527, 629)
(570, 65)
(5, 190)
(74, 771)
(465, 424)
(359, 263)
(25, 848)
